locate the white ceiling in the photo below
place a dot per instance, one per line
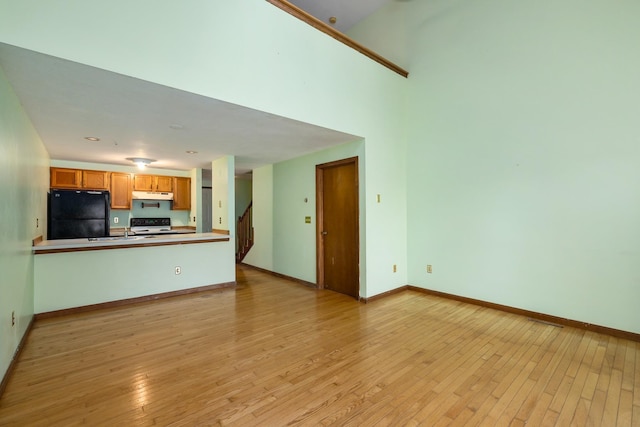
(67, 102)
(346, 12)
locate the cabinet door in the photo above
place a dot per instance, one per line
(95, 180)
(143, 183)
(120, 190)
(181, 194)
(66, 178)
(163, 184)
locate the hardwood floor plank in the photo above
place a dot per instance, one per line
(610, 415)
(539, 410)
(596, 410)
(554, 352)
(274, 352)
(628, 372)
(625, 409)
(581, 413)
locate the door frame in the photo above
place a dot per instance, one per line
(320, 216)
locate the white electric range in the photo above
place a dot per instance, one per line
(153, 226)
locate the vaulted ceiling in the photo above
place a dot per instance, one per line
(346, 12)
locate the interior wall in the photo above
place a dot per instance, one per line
(132, 273)
(523, 155)
(261, 254)
(251, 54)
(118, 168)
(294, 195)
(243, 194)
(206, 224)
(222, 175)
(24, 178)
(393, 46)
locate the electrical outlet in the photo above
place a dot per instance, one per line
(178, 270)
(116, 220)
(395, 268)
(37, 222)
(429, 269)
(13, 318)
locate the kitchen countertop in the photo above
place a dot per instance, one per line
(120, 242)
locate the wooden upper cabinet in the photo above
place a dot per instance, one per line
(153, 183)
(66, 178)
(143, 183)
(120, 190)
(79, 179)
(163, 183)
(181, 193)
(121, 184)
(95, 180)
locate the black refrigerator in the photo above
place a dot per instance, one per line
(74, 214)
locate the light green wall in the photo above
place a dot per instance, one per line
(294, 241)
(195, 215)
(222, 176)
(115, 274)
(516, 177)
(309, 77)
(243, 198)
(523, 154)
(118, 168)
(243, 194)
(24, 178)
(393, 45)
(261, 254)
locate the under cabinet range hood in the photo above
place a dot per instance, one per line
(151, 195)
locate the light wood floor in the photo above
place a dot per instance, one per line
(273, 353)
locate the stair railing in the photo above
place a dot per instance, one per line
(244, 233)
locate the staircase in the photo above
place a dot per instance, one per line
(244, 233)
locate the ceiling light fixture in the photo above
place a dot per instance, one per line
(92, 138)
(141, 162)
(191, 152)
(333, 19)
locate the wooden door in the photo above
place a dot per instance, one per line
(338, 226)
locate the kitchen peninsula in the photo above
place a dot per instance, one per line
(75, 273)
(120, 242)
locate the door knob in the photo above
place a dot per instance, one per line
(324, 233)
